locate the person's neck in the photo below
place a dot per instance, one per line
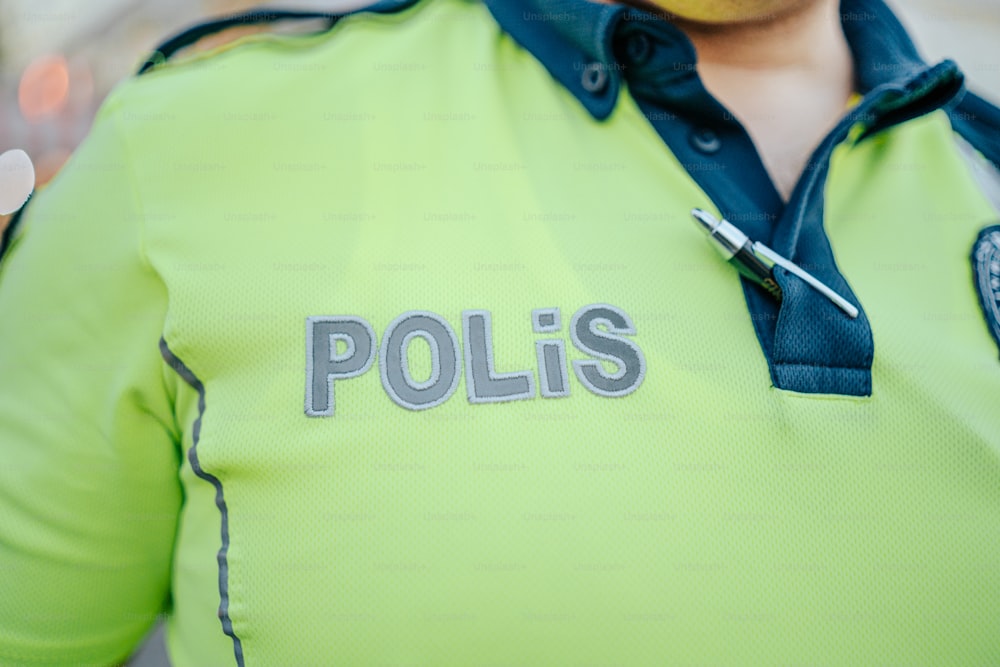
(808, 38)
(786, 78)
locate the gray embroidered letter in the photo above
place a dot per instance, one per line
(394, 366)
(482, 384)
(324, 364)
(607, 343)
(552, 374)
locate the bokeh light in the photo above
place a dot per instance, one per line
(44, 87)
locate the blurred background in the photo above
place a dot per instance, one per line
(59, 59)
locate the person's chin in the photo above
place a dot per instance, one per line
(718, 12)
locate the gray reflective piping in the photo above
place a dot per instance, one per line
(546, 320)
(482, 384)
(553, 373)
(324, 366)
(601, 344)
(985, 173)
(435, 361)
(191, 379)
(392, 359)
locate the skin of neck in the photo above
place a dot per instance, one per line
(756, 34)
(782, 67)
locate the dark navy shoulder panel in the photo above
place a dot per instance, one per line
(259, 16)
(978, 122)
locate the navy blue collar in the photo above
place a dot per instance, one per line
(589, 47)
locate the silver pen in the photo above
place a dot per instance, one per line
(756, 261)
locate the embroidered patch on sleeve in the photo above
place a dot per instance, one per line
(986, 272)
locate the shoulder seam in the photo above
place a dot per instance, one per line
(189, 36)
(260, 16)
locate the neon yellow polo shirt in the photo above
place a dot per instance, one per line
(395, 345)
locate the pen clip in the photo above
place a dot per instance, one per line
(768, 255)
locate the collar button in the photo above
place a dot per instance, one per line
(705, 141)
(638, 49)
(594, 78)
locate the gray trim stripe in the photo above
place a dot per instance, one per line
(190, 378)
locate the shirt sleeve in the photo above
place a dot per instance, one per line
(89, 447)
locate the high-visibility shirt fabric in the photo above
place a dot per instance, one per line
(378, 347)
